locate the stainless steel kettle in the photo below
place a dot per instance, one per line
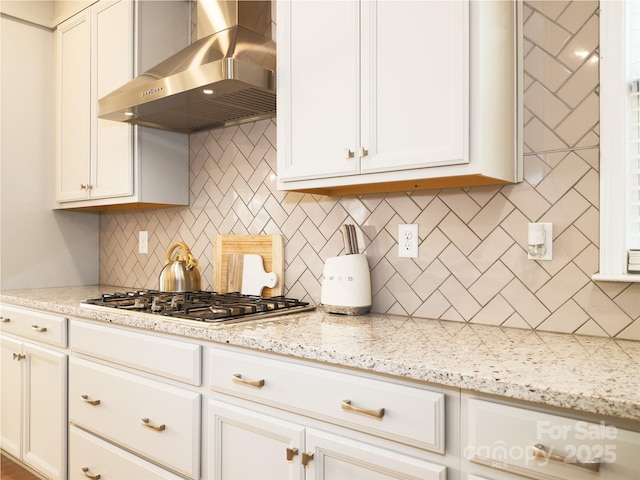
(180, 273)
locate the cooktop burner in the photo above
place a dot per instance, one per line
(203, 306)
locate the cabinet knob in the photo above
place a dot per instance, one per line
(291, 452)
(362, 152)
(38, 328)
(83, 186)
(348, 153)
(147, 423)
(85, 472)
(19, 356)
(306, 458)
(85, 398)
(5, 319)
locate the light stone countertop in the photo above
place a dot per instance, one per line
(590, 374)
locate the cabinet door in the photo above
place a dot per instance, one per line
(318, 85)
(45, 406)
(11, 393)
(111, 67)
(73, 109)
(414, 93)
(336, 457)
(250, 445)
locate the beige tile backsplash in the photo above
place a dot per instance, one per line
(473, 265)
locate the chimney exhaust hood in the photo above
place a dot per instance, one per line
(224, 78)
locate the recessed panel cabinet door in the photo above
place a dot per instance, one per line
(11, 389)
(318, 85)
(336, 457)
(414, 84)
(73, 109)
(250, 445)
(112, 66)
(45, 411)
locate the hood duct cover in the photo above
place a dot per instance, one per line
(222, 79)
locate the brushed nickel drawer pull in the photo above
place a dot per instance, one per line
(5, 319)
(237, 378)
(373, 412)
(19, 356)
(291, 452)
(540, 452)
(306, 458)
(157, 428)
(90, 402)
(85, 472)
(39, 329)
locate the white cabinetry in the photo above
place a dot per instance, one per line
(99, 162)
(300, 421)
(158, 421)
(92, 454)
(34, 390)
(123, 407)
(401, 96)
(502, 441)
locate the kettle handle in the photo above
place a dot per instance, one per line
(191, 260)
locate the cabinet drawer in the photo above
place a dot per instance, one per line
(89, 455)
(402, 413)
(44, 327)
(156, 420)
(506, 437)
(161, 356)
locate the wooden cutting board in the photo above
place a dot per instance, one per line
(269, 247)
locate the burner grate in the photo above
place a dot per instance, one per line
(205, 306)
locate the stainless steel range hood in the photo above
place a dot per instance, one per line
(224, 78)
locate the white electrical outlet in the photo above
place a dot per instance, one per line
(408, 240)
(143, 242)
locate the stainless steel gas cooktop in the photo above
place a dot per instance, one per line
(204, 306)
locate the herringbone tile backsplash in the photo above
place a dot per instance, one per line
(473, 264)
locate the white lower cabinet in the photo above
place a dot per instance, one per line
(247, 444)
(33, 385)
(250, 445)
(158, 421)
(503, 441)
(280, 419)
(340, 458)
(122, 406)
(93, 458)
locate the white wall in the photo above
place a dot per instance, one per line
(39, 247)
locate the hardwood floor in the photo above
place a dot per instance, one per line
(9, 470)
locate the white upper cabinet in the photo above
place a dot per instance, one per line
(100, 162)
(73, 112)
(396, 95)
